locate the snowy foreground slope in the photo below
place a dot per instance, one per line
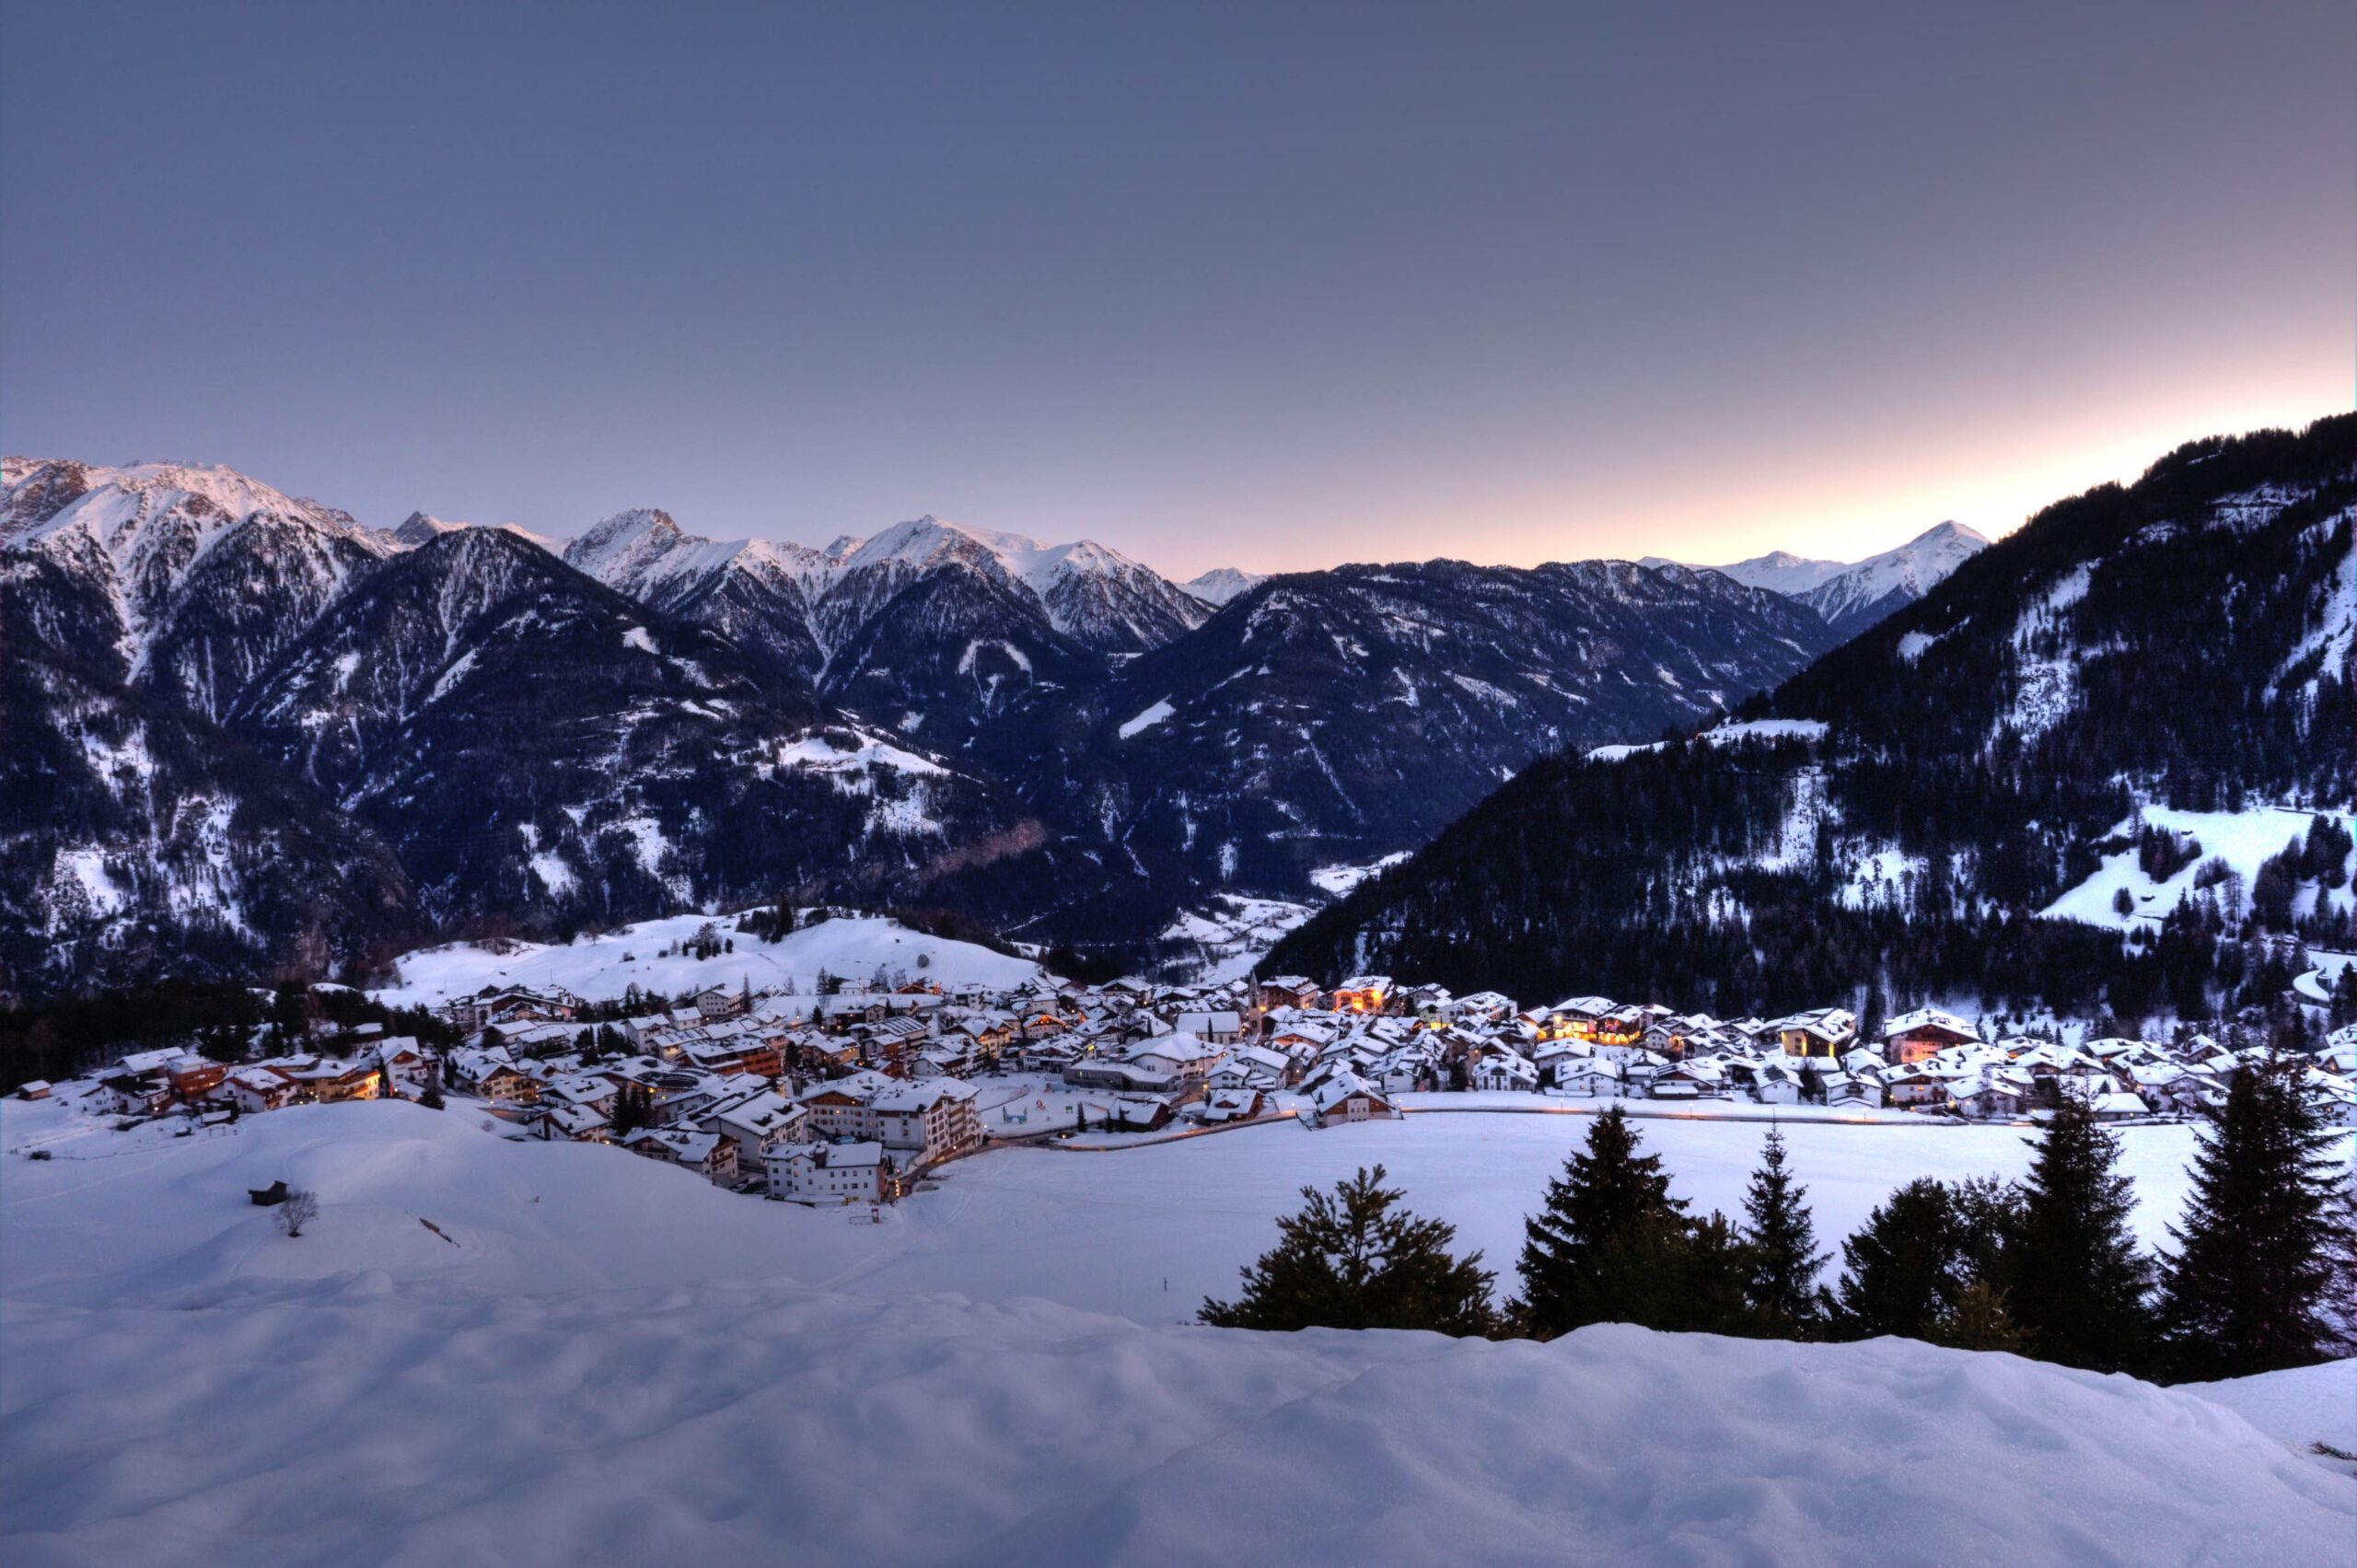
(600, 1364)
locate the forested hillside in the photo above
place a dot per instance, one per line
(2134, 668)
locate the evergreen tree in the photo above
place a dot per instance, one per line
(432, 1098)
(1607, 1192)
(2340, 1259)
(1904, 1269)
(1980, 1320)
(2077, 1281)
(2245, 1291)
(633, 1109)
(1352, 1259)
(1780, 1258)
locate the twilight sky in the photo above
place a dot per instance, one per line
(1274, 286)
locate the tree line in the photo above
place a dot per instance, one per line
(2262, 1274)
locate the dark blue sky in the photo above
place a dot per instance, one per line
(1276, 285)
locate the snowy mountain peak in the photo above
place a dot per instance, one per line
(420, 528)
(1853, 595)
(1222, 583)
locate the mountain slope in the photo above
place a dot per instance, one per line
(750, 591)
(2183, 642)
(537, 746)
(1336, 717)
(183, 580)
(137, 840)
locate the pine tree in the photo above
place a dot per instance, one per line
(2245, 1291)
(1780, 1258)
(2077, 1281)
(2340, 1260)
(1606, 1192)
(1352, 1259)
(1980, 1320)
(1903, 1271)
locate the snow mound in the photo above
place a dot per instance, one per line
(597, 967)
(768, 1421)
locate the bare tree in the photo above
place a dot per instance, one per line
(299, 1210)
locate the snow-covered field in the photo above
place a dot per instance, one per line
(602, 967)
(2244, 840)
(593, 1358)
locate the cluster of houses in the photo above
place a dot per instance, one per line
(848, 1097)
(1397, 1040)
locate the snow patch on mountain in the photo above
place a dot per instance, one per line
(1148, 719)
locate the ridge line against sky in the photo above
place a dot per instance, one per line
(1255, 287)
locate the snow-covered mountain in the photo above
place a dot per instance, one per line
(2049, 782)
(1051, 736)
(1852, 596)
(527, 738)
(419, 528)
(1223, 583)
(755, 592)
(1091, 593)
(183, 579)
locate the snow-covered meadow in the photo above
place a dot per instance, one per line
(602, 966)
(589, 1357)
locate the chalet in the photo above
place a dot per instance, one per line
(254, 1089)
(194, 1079)
(576, 1123)
(1289, 991)
(759, 1123)
(34, 1089)
(1252, 1066)
(708, 1154)
(840, 1107)
(1911, 1037)
(1694, 1078)
(1851, 1090)
(1825, 1033)
(404, 1062)
(828, 1173)
(498, 1004)
(1346, 1097)
(2118, 1105)
(1364, 993)
(1592, 1076)
(1223, 1106)
(503, 1083)
(717, 1002)
(1503, 1069)
(1774, 1083)
(1181, 1058)
(1913, 1088)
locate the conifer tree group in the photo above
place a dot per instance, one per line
(2263, 1275)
